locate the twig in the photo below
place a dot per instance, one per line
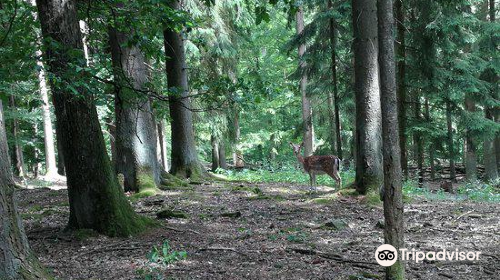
(182, 230)
(464, 214)
(222, 249)
(334, 257)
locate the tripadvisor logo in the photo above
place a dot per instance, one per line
(387, 255)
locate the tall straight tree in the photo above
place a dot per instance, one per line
(333, 100)
(393, 193)
(48, 130)
(95, 198)
(307, 114)
(17, 260)
(184, 157)
(401, 85)
(136, 139)
(491, 145)
(366, 87)
(17, 154)
(470, 146)
(451, 148)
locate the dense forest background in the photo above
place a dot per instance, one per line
(125, 100)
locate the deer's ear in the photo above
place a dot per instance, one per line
(291, 144)
(302, 144)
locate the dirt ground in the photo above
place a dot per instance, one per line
(235, 231)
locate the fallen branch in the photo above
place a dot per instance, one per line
(463, 215)
(222, 249)
(334, 257)
(182, 230)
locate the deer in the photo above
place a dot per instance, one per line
(313, 165)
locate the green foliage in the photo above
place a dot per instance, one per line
(159, 258)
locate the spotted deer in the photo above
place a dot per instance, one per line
(313, 165)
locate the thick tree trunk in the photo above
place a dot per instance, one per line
(162, 148)
(451, 152)
(393, 193)
(419, 142)
(95, 198)
(60, 155)
(16, 259)
(401, 85)
(369, 175)
(136, 139)
(333, 101)
(17, 154)
(490, 160)
(470, 147)
(307, 114)
(222, 154)
(215, 152)
(184, 157)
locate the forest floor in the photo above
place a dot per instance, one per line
(238, 230)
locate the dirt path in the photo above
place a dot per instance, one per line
(274, 232)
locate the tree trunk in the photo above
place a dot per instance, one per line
(431, 144)
(333, 102)
(369, 175)
(451, 151)
(307, 117)
(136, 139)
(162, 146)
(393, 193)
(401, 85)
(419, 142)
(490, 161)
(95, 198)
(470, 147)
(222, 154)
(60, 157)
(17, 260)
(184, 157)
(111, 126)
(215, 153)
(17, 155)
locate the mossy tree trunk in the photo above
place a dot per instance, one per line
(393, 193)
(136, 139)
(96, 201)
(16, 259)
(470, 147)
(184, 156)
(451, 148)
(366, 87)
(333, 98)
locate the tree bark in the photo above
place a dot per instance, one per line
(490, 160)
(369, 175)
(16, 259)
(451, 152)
(60, 157)
(215, 152)
(307, 114)
(162, 146)
(470, 147)
(184, 157)
(17, 154)
(95, 199)
(222, 154)
(419, 141)
(401, 85)
(431, 144)
(136, 139)
(333, 100)
(392, 194)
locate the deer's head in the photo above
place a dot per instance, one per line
(296, 148)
